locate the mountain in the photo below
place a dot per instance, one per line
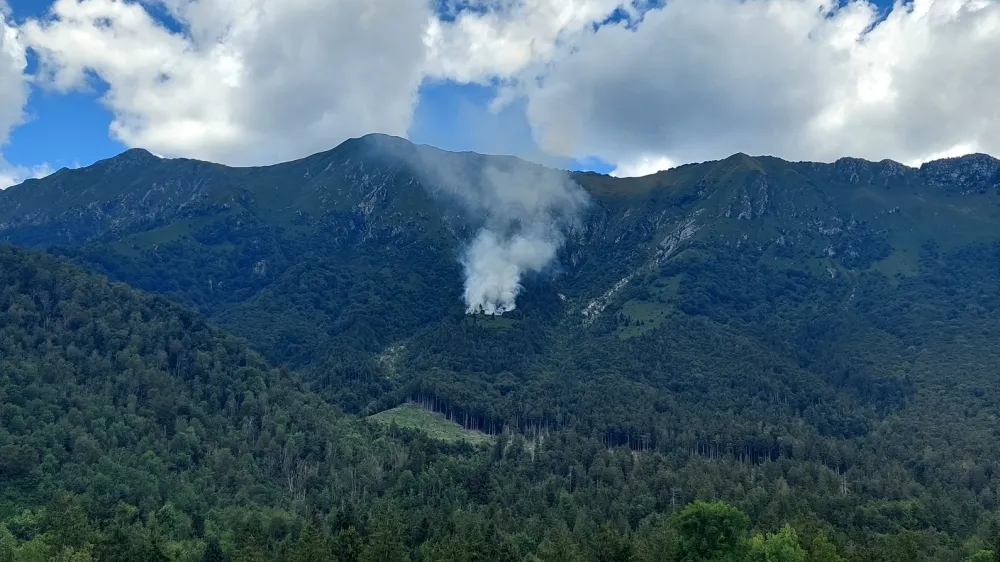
(131, 430)
(828, 329)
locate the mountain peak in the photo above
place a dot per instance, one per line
(972, 170)
(742, 160)
(383, 137)
(378, 141)
(133, 157)
(974, 158)
(134, 153)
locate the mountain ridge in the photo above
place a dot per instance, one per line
(367, 191)
(831, 326)
(381, 140)
(137, 187)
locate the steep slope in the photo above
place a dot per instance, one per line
(215, 237)
(346, 259)
(134, 401)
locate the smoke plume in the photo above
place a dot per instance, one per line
(523, 212)
(494, 265)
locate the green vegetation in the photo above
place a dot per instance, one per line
(814, 345)
(435, 425)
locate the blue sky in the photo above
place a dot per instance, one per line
(62, 129)
(72, 128)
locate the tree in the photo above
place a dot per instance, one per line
(782, 546)
(611, 546)
(822, 550)
(347, 545)
(905, 546)
(8, 545)
(312, 546)
(711, 531)
(558, 546)
(386, 541)
(128, 542)
(993, 531)
(68, 523)
(655, 542)
(213, 551)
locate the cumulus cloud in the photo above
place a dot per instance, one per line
(689, 80)
(801, 79)
(642, 166)
(638, 83)
(13, 175)
(243, 81)
(502, 38)
(13, 90)
(13, 85)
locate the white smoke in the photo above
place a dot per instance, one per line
(524, 211)
(494, 266)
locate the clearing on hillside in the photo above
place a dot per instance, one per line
(433, 424)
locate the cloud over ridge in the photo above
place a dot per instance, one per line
(240, 81)
(639, 84)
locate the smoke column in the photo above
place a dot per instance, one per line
(525, 211)
(493, 269)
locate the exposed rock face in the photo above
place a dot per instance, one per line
(974, 173)
(365, 197)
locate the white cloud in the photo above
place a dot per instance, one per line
(257, 81)
(246, 81)
(13, 86)
(502, 38)
(701, 79)
(642, 166)
(957, 150)
(13, 175)
(13, 90)
(801, 79)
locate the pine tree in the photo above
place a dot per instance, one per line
(347, 545)
(8, 545)
(386, 541)
(312, 546)
(213, 551)
(558, 547)
(68, 523)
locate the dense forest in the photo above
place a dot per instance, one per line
(132, 430)
(788, 361)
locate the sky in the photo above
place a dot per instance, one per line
(626, 88)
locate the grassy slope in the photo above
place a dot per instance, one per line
(435, 425)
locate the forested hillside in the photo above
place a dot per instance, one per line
(815, 344)
(134, 431)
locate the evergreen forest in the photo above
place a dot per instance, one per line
(741, 360)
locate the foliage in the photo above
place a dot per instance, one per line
(811, 344)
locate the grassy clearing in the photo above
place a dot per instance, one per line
(433, 424)
(650, 314)
(901, 262)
